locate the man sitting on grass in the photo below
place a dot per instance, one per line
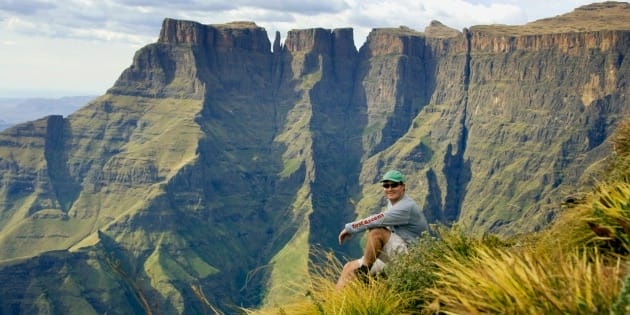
(389, 232)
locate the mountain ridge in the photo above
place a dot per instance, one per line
(17, 110)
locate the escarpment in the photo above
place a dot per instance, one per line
(218, 163)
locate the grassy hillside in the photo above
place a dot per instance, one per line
(578, 265)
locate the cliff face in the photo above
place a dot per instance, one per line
(541, 107)
(214, 166)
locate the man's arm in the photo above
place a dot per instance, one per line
(392, 217)
(344, 235)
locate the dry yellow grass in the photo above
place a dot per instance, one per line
(507, 282)
(321, 296)
(601, 220)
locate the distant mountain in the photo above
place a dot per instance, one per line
(220, 162)
(18, 110)
(4, 125)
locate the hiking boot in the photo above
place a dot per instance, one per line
(362, 273)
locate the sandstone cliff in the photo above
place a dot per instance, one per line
(215, 165)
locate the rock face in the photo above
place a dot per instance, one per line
(215, 166)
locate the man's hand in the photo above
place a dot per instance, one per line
(343, 236)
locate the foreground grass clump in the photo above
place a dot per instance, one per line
(601, 220)
(320, 296)
(417, 271)
(506, 282)
(618, 169)
(576, 266)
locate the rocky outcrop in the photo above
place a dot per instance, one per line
(215, 166)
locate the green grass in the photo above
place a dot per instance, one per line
(289, 270)
(290, 165)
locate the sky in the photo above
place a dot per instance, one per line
(54, 48)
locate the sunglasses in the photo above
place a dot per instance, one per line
(392, 185)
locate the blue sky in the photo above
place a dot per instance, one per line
(53, 48)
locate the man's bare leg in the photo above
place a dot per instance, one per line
(347, 274)
(376, 240)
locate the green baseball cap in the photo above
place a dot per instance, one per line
(393, 176)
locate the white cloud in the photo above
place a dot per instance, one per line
(18, 24)
(465, 14)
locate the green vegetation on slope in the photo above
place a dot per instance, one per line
(119, 148)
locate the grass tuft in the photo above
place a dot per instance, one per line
(519, 282)
(321, 297)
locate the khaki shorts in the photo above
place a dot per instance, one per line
(395, 245)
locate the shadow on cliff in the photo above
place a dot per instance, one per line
(64, 185)
(337, 124)
(457, 170)
(240, 196)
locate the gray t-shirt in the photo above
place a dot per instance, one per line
(403, 218)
